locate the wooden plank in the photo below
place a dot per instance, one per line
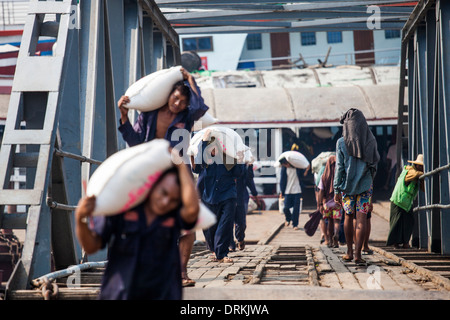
(346, 278)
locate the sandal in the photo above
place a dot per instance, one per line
(335, 242)
(347, 258)
(360, 262)
(368, 252)
(186, 282)
(225, 260)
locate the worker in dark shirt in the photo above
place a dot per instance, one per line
(219, 194)
(184, 106)
(143, 257)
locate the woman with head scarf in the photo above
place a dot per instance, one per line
(356, 161)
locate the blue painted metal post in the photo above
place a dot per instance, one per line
(443, 12)
(429, 89)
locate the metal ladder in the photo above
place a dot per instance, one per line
(30, 137)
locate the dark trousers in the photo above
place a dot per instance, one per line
(292, 201)
(219, 236)
(401, 225)
(240, 223)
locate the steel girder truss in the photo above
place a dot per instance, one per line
(62, 114)
(217, 16)
(424, 123)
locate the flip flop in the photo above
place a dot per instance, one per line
(360, 262)
(225, 260)
(188, 282)
(347, 258)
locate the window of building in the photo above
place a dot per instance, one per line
(254, 41)
(334, 37)
(391, 34)
(198, 44)
(308, 38)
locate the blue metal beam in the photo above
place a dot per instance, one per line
(443, 55)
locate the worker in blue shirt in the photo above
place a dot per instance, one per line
(184, 106)
(219, 194)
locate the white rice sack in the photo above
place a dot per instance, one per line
(124, 179)
(320, 161)
(205, 121)
(228, 140)
(193, 144)
(252, 206)
(206, 218)
(281, 205)
(248, 156)
(295, 158)
(152, 91)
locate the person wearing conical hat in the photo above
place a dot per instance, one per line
(401, 220)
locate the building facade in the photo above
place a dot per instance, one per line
(264, 51)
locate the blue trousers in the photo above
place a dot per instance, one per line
(219, 236)
(240, 223)
(292, 201)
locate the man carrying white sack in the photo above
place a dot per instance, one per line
(291, 190)
(143, 260)
(184, 106)
(219, 193)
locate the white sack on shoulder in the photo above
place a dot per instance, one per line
(295, 158)
(152, 91)
(205, 218)
(228, 140)
(205, 121)
(124, 179)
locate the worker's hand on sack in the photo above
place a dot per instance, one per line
(190, 78)
(207, 135)
(123, 101)
(240, 156)
(85, 208)
(185, 74)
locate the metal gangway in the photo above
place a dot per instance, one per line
(62, 118)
